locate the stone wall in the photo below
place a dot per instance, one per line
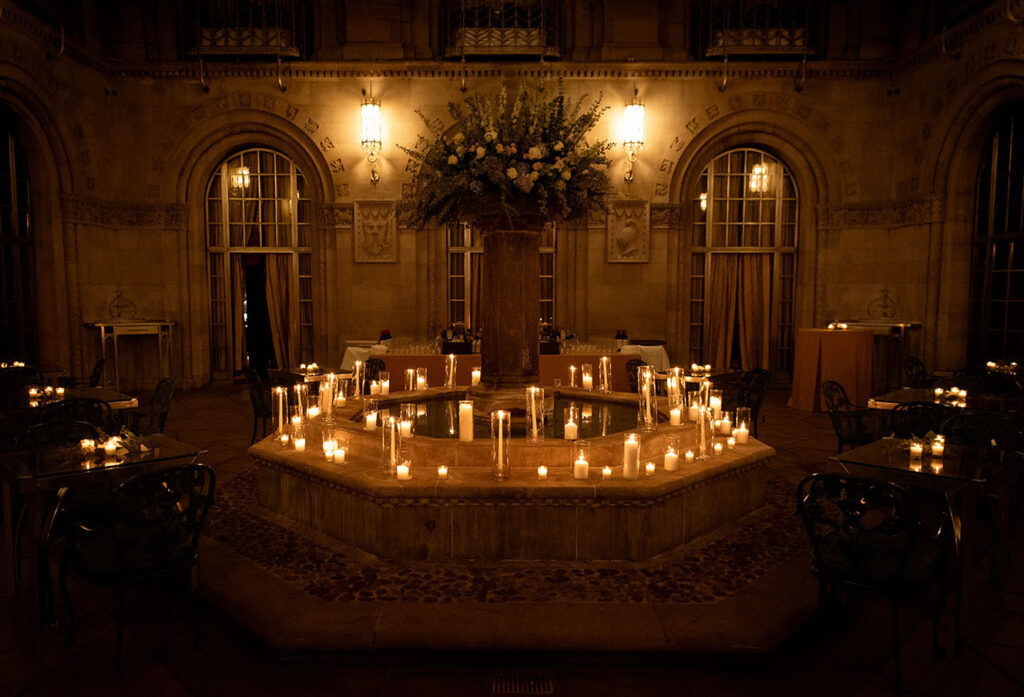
(884, 153)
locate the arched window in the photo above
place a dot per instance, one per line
(997, 269)
(18, 336)
(743, 263)
(260, 263)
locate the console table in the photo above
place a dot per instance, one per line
(111, 332)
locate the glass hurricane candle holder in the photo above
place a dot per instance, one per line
(647, 415)
(534, 414)
(449, 371)
(580, 459)
(384, 378)
(715, 403)
(358, 370)
(421, 379)
(501, 434)
(604, 374)
(474, 374)
(742, 425)
(370, 414)
(571, 422)
(391, 444)
(587, 376)
(572, 376)
(631, 456)
(410, 379)
(672, 453)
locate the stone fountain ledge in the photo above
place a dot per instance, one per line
(472, 516)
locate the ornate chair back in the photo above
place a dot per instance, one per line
(95, 411)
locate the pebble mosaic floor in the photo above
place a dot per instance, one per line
(704, 571)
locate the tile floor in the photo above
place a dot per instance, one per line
(849, 656)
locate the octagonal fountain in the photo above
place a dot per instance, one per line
(467, 514)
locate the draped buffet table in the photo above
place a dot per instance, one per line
(846, 356)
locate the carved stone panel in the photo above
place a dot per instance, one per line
(629, 232)
(376, 232)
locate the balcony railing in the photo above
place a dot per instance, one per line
(249, 28)
(493, 28)
(769, 28)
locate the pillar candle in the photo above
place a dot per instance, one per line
(580, 469)
(466, 421)
(329, 447)
(725, 428)
(631, 458)
(371, 422)
(916, 449)
(716, 406)
(313, 411)
(421, 382)
(571, 430)
(741, 433)
(339, 455)
(938, 448)
(475, 376)
(402, 472)
(588, 382)
(385, 386)
(300, 444)
(671, 460)
(374, 387)
(693, 412)
(676, 416)
(405, 428)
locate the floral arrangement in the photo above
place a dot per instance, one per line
(509, 159)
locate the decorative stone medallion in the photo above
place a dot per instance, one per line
(376, 232)
(629, 232)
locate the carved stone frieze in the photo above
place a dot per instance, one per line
(629, 232)
(666, 216)
(376, 231)
(118, 214)
(338, 215)
(909, 213)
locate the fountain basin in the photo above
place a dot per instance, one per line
(472, 516)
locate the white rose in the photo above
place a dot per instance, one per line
(512, 172)
(534, 153)
(452, 160)
(459, 137)
(480, 152)
(566, 174)
(559, 146)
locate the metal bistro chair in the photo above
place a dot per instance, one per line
(915, 373)
(149, 531)
(917, 419)
(853, 425)
(153, 419)
(92, 381)
(95, 411)
(754, 385)
(371, 371)
(633, 373)
(261, 400)
(867, 535)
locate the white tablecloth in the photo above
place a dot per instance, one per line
(651, 355)
(359, 353)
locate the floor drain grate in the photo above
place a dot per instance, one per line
(522, 684)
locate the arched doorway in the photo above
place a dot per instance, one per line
(996, 324)
(18, 330)
(259, 240)
(743, 263)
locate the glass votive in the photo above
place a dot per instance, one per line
(718, 448)
(938, 448)
(384, 379)
(730, 442)
(474, 374)
(587, 376)
(501, 434)
(580, 459)
(916, 450)
(370, 414)
(741, 427)
(542, 473)
(689, 457)
(421, 379)
(442, 472)
(672, 453)
(300, 444)
(715, 403)
(606, 472)
(391, 443)
(403, 471)
(87, 446)
(649, 469)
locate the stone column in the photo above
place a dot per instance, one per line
(509, 307)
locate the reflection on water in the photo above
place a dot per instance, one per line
(439, 418)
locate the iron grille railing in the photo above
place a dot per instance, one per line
(774, 28)
(249, 28)
(503, 28)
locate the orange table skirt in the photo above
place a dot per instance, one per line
(846, 356)
(551, 367)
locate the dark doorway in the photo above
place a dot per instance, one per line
(259, 345)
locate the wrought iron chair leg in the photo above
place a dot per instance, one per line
(896, 642)
(62, 579)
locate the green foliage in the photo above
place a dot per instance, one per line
(525, 157)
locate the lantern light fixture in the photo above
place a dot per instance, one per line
(633, 132)
(370, 133)
(240, 178)
(761, 178)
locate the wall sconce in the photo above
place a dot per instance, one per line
(370, 133)
(240, 178)
(633, 132)
(704, 200)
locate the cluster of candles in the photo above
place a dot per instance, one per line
(90, 447)
(954, 396)
(937, 448)
(44, 395)
(13, 364)
(837, 325)
(309, 368)
(995, 366)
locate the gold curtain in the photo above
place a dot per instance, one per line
(237, 313)
(754, 307)
(720, 309)
(279, 307)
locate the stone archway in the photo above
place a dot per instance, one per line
(210, 144)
